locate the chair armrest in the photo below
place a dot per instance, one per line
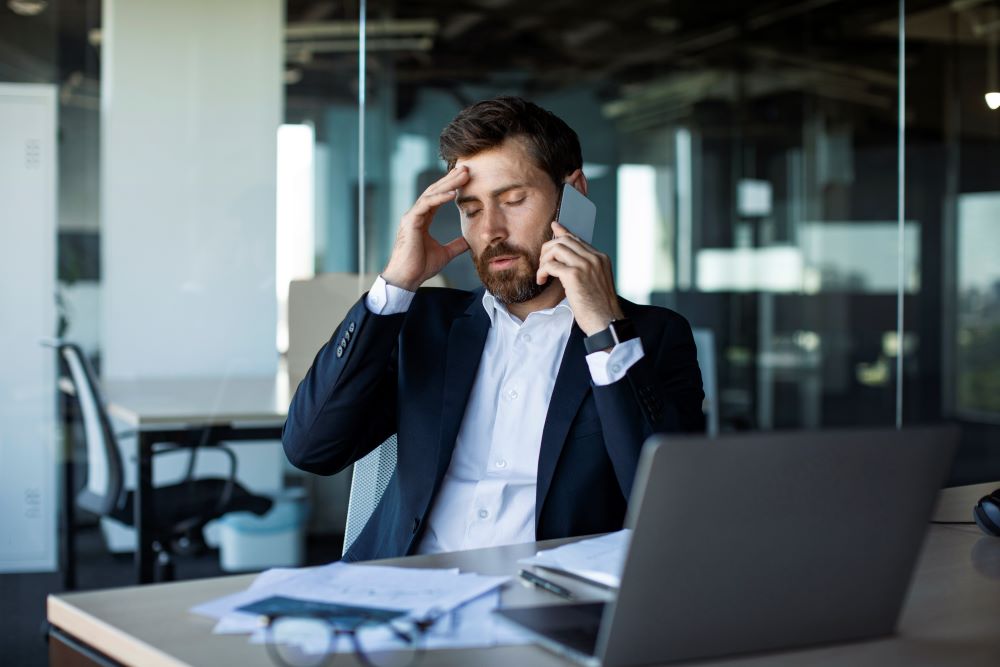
(227, 492)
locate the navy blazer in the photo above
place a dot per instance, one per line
(412, 373)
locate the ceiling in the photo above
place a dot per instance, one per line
(646, 58)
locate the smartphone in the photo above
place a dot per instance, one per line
(577, 213)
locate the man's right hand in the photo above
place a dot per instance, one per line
(416, 255)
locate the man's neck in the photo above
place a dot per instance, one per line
(549, 298)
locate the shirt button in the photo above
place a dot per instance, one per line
(615, 368)
(500, 463)
(526, 338)
(484, 514)
(512, 394)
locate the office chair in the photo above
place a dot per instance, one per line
(371, 475)
(180, 510)
(316, 307)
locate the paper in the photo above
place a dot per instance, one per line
(598, 560)
(415, 591)
(465, 602)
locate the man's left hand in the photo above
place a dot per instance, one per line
(586, 276)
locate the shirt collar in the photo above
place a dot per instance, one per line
(493, 307)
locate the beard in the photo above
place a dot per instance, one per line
(516, 284)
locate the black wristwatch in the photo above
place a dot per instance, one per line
(617, 332)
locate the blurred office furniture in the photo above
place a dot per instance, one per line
(181, 510)
(316, 306)
(188, 413)
(371, 475)
(704, 341)
(277, 539)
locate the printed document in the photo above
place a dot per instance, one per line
(599, 560)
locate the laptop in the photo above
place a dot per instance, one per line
(758, 542)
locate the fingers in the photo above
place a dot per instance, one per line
(456, 247)
(428, 203)
(572, 251)
(449, 182)
(566, 256)
(440, 192)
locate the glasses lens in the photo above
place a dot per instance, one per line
(299, 642)
(392, 644)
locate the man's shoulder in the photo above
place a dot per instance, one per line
(642, 312)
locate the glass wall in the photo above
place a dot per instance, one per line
(745, 160)
(742, 160)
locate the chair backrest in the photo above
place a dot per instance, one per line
(104, 462)
(371, 475)
(315, 307)
(704, 341)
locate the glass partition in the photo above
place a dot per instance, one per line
(742, 158)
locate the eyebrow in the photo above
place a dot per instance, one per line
(495, 193)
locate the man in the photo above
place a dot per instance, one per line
(508, 429)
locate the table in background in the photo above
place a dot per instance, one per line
(191, 412)
(951, 615)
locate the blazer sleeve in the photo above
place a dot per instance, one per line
(661, 392)
(346, 404)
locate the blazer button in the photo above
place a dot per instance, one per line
(416, 524)
(350, 327)
(340, 351)
(347, 336)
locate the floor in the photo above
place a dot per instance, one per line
(22, 596)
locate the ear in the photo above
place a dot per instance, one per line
(578, 181)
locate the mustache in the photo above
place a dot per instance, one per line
(499, 250)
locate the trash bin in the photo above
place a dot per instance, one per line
(276, 539)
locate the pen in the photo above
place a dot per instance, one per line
(544, 583)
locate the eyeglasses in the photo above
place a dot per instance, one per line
(377, 638)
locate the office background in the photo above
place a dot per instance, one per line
(745, 160)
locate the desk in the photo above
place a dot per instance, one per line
(951, 615)
(190, 411)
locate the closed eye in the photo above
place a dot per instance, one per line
(515, 202)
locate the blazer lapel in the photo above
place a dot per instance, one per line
(466, 340)
(572, 385)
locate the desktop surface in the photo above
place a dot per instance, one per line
(950, 616)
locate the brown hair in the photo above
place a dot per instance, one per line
(552, 144)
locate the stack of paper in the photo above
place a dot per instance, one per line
(599, 560)
(465, 600)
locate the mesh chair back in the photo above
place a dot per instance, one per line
(371, 476)
(704, 341)
(104, 463)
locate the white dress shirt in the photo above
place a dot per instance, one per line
(487, 497)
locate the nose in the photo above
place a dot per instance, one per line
(493, 226)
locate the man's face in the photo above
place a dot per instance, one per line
(507, 209)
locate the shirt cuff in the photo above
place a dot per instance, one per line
(610, 367)
(386, 299)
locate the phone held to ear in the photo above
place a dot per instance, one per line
(577, 213)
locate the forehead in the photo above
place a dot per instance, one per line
(508, 163)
